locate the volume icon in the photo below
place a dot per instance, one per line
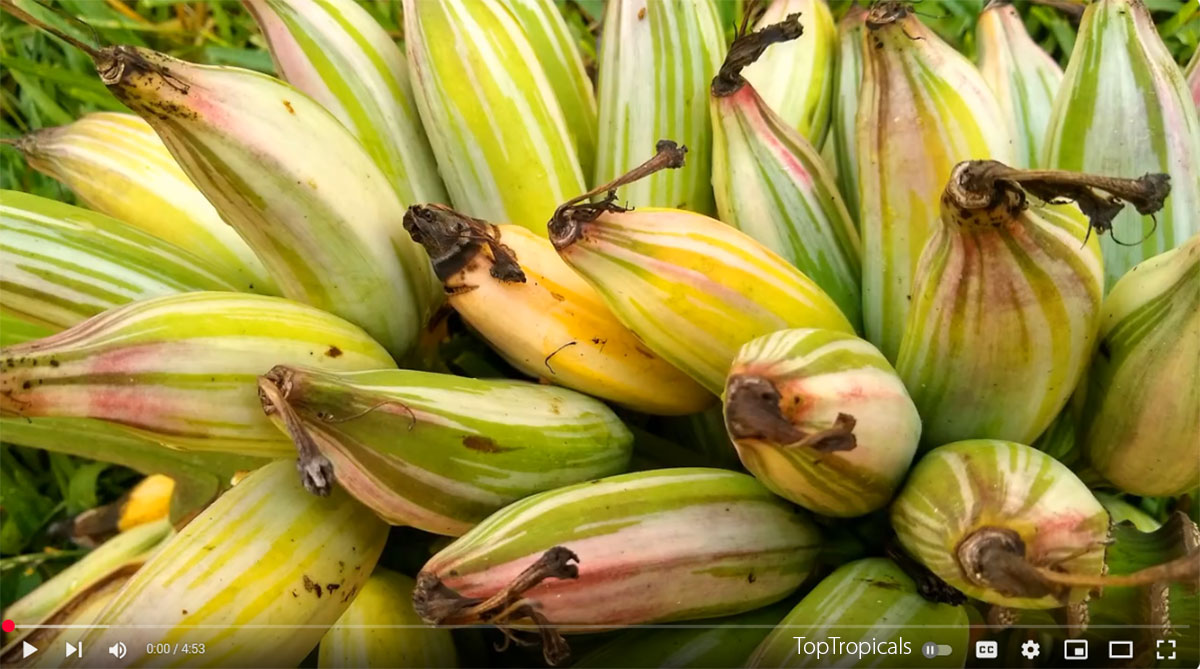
(117, 650)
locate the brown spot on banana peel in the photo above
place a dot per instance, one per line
(747, 49)
(453, 240)
(484, 444)
(316, 471)
(439, 604)
(566, 226)
(752, 411)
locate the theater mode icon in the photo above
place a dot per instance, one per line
(987, 650)
(1120, 650)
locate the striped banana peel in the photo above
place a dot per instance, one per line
(871, 601)
(771, 183)
(1142, 418)
(15, 328)
(692, 288)
(67, 622)
(501, 139)
(498, 275)
(335, 52)
(1193, 76)
(796, 79)
(63, 264)
(841, 144)
(923, 108)
(181, 370)
(441, 452)
(380, 629)
(1124, 110)
(116, 165)
(48, 599)
(970, 507)
(1023, 76)
(257, 578)
(559, 57)
(653, 546)
(198, 477)
(319, 213)
(822, 419)
(1005, 309)
(656, 62)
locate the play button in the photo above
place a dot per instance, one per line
(27, 649)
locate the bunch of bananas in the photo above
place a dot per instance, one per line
(944, 312)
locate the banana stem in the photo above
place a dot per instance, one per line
(984, 184)
(747, 49)
(566, 225)
(1185, 568)
(25, 11)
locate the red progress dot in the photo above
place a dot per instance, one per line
(8, 626)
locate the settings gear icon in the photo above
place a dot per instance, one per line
(1031, 649)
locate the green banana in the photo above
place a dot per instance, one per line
(502, 141)
(654, 546)
(559, 57)
(796, 79)
(319, 213)
(822, 419)
(1123, 110)
(923, 108)
(180, 370)
(1141, 416)
(656, 62)
(440, 452)
(771, 183)
(63, 264)
(1023, 76)
(335, 52)
(266, 553)
(116, 165)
